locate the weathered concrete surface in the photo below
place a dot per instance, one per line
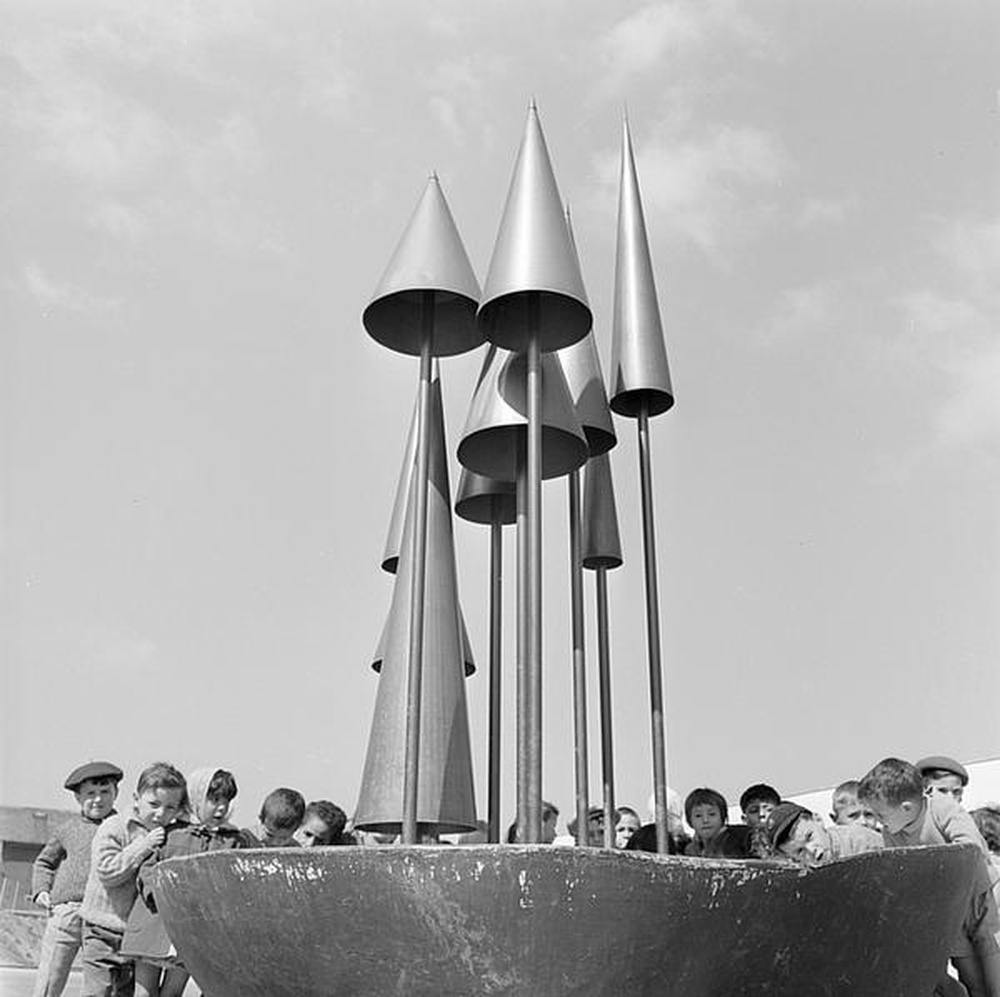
(543, 921)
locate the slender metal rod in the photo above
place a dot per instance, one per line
(523, 752)
(653, 635)
(579, 662)
(533, 602)
(414, 681)
(604, 678)
(496, 638)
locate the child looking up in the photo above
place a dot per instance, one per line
(121, 844)
(59, 874)
(706, 811)
(323, 824)
(894, 789)
(281, 815)
(848, 809)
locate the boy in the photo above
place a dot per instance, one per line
(944, 776)
(60, 872)
(756, 802)
(894, 789)
(280, 817)
(323, 824)
(122, 843)
(848, 809)
(799, 834)
(706, 811)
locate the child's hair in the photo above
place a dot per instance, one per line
(759, 791)
(162, 775)
(988, 821)
(331, 815)
(846, 792)
(704, 796)
(282, 810)
(892, 781)
(222, 787)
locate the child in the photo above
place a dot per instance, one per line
(323, 824)
(157, 969)
(756, 803)
(280, 817)
(59, 874)
(894, 789)
(799, 834)
(944, 776)
(626, 825)
(706, 810)
(848, 809)
(122, 843)
(988, 821)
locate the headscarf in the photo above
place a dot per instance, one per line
(198, 782)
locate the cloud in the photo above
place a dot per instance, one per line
(818, 211)
(51, 294)
(800, 311)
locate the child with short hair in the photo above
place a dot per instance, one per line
(280, 817)
(59, 874)
(706, 811)
(894, 789)
(121, 844)
(158, 971)
(756, 802)
(798, 834)
(322, 824)
(848, 809)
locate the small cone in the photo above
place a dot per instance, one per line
(533, 254)
(497, 426)
(601, 546)
(483, 500)
(640, 376)
(430, 257)
(468, 657)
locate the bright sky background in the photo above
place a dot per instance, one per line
(200, 442)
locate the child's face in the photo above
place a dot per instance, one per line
(313, 832)
(896, 818)
(96, 798)
(808, 844)
(158, 807)
(757, 811)
(706, 821)
(852, 811)
(627, 825)
(944, 785)
(214, 811)
(549, 819)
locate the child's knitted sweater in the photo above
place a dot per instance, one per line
(62, 866)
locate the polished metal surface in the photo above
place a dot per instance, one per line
(640, 375)
(485, 500)
(601, 545)
(581, 762)
(468, 655)
(582, 367)
(430, 256)
(533, 254)
(496, 429)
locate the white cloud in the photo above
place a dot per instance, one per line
(818, 211)
(800, 311)
(51, 294)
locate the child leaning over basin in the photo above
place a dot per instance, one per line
(59, 874)
(706, 810)
(281, 815)
(798, 834)
(323, 824)
(846, 808)
(121, 844)
(895, 791)
(158, 972)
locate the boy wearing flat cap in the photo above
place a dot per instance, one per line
(798, 834)
(60, 872)
(943, 776)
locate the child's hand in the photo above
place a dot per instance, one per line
(156, 837)
(44, 900)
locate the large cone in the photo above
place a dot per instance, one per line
(445, 797)
(533, 254)
(485, 500)
(601, 546)
(468, 656)
(639, 372)
(430, 257)
(496, 430)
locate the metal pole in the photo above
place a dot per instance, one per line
(604, 676)
(523, 752)
(579, 662)
(496, 636)
(653, 635)
(416, 649)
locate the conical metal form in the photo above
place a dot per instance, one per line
(601, 546)
(430, 259)
(582, 367)
(485, 500)
(496, 428)
(468, 656)
(533, 257)
(640, 376)
(445, 796)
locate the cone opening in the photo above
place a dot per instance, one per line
(562, 320)
(497, 451)
(630, 403)
(396, 320)
(597, 561)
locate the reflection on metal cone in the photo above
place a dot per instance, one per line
(601, 546)
(485, 500)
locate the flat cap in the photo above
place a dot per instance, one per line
(781, 820)
(947, 764)
(92, 770)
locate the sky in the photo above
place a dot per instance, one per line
(200, 443)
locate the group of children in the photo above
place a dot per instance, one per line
(95, 876)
